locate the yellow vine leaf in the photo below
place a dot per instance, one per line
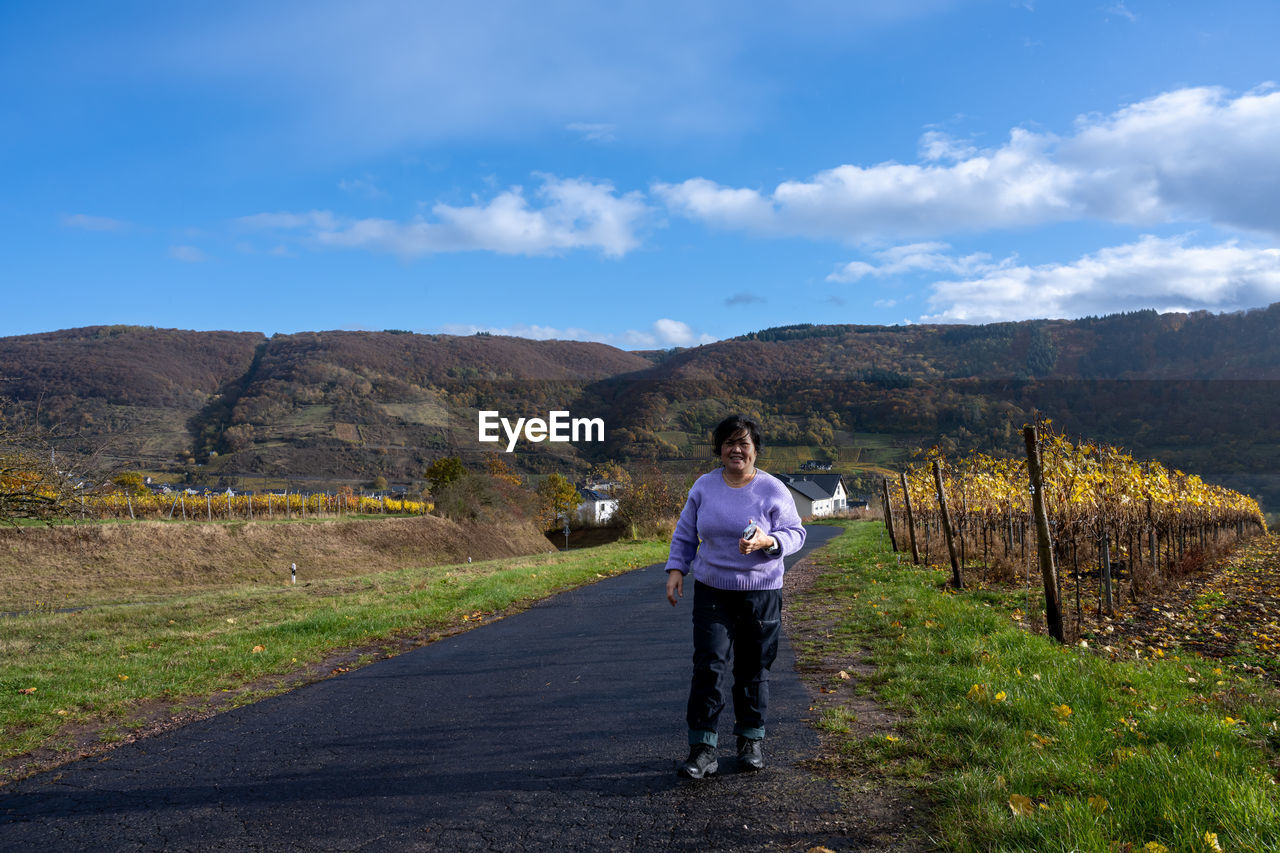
(1021, 806)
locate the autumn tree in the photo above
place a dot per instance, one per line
(652, 501)
(500, 470)
(557, 498)
(464, 495)
(444, 472)
(32, 486)
(130, 483)
(613, 473)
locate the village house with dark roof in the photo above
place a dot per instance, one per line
(817, 495)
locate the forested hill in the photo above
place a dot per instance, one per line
(309, 405)
(1196, 390)
(125, 365)
(1140, 345)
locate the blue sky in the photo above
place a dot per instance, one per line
(647, 174)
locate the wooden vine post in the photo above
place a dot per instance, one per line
(956, 580)
(911, 521)
(1104, 557)
(888, 515)
(1052, 606)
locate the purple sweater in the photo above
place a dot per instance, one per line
(711, 523)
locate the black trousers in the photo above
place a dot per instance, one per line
(741, 626)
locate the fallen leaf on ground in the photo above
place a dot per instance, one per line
(27, 690)
(1021, 806)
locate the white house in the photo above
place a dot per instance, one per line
(817, 495)
(595, 508)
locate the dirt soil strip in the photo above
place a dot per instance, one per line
(887, 816)
(1229, 609)
(556, 728)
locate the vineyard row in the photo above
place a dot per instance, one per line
(1108, 516)
(243, 507)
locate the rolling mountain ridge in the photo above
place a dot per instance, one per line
(1198, 391)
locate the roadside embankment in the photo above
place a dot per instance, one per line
(69, 565)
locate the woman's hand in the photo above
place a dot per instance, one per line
(675, 586)
(760, 541)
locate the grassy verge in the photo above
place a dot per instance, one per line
(100, 665)
(1022, 744)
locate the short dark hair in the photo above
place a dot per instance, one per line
(731, 426)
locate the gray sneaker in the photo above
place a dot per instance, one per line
(701, 762)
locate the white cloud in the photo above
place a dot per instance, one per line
(363, 187)
(662, 334)
(593, 132)
(575, 214)
(699, 198)
(94, 223)
(188, 254)
(1119, 10)
(320, 220)
(677, 334)
(1161, 273)
(914, 257)
(1194, 154)
(936, 145)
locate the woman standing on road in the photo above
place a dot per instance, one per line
(737, 525)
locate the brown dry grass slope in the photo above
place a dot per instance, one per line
(80, 564)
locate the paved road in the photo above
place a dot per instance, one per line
(554, 729)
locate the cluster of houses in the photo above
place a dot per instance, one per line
(817, 495)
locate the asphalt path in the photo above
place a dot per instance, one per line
(557, 728)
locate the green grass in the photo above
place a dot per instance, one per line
(1109, 755)
(97, 666)
(680, 439)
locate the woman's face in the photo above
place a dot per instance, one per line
(738, 454)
